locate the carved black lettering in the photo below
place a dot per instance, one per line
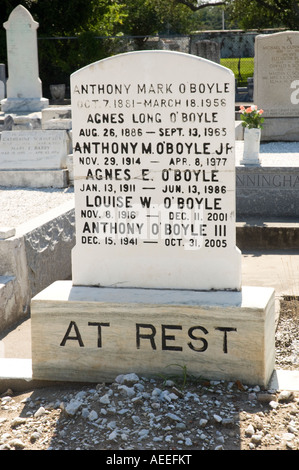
(77, 337)
(149, 336)
(204, 346)
(165, 338)
(225, 330)
(99, 325)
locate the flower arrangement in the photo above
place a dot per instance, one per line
(252, 117)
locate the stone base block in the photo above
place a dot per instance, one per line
(92, 334)
(280, 129)
(58, 124)
(34, 178)
(23, 105)
(252, 161)
(264, 191)
(59, 112)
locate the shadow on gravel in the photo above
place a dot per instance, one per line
(151, 416)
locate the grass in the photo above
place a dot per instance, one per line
(182, 378)
(242, 68)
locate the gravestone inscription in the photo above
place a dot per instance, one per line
(34, 149)
(154, 172)
(276, 84)
(276, 73)
(155, 271)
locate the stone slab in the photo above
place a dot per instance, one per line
(16, 368)
(280, 129)
(16, 374)
(30, 121)
(13, 300)
(49, 240)
(37, 254)
(261, 234)
(52, 124)
(285, 380)
(25, 105)
(276, 84)
(7, 232)
(56, 112)
(34, 178)
(93, 334)
(33, 149)
(267, 191)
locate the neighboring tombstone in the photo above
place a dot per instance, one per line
(33, 158)
(276, 84)
(35, 150)
(208, 50)
(24, 88)
(156, 273)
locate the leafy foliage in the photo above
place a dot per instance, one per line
(73, 33)
(258, 14)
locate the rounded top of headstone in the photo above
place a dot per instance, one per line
(278, 35)
(19, 16)
(148, 59)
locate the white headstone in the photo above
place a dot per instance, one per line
(154, 169)
(24, 88)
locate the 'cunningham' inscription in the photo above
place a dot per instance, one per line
(154, 173)
(268, 181)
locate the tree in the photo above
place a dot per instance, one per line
(149, 17)
(258, 14)
(67, 33)
(81, 28)
(194, 5)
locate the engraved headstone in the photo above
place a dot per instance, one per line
(156, 273)
(154, 172)
(208, 50)
(276, 84)
(34, 149)
(24, 87)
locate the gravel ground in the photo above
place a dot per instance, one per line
(18, 205)
(174, 414)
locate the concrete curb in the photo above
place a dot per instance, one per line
(16, 374)
(253, 234)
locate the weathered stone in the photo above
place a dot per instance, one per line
(24, 88)
(276, 84)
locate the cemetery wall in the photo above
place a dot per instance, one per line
(233, 44)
